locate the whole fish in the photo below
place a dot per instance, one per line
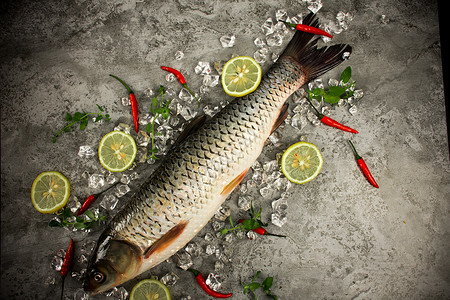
(197, 175)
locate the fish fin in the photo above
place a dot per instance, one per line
(234, 183)
(166, 240)
(313, 61)
(190, 128)
(281, 117)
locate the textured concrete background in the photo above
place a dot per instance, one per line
(347, 240)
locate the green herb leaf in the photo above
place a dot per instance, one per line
(346, 74)
(79, 225)
(89, 214)
(318, 91)
(68, 117)
(79, 219)
(107, 118)
(100, 108)
(83, 123)
(254, 286)
(251, 224)
(267, 283)
(54, 223)
(331, 98)
(99, 118)
(335, 90)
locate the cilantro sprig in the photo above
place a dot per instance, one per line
(157, 108)
(83, 119)
(254, 222)
(265, 286)
(334, 93)
(83, 221)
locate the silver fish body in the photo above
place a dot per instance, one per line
(193, 181)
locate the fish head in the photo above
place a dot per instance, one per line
(112, 263)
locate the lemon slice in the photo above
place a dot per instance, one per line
(117, 151)
(301, 162)
(241, 75)
(150, 289)
(50, 192)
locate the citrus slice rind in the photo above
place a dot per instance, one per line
(150, 289)
(241, 75)
(50, 192)
(301, 162)
(117, 151)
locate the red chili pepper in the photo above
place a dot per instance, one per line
(309, 29)
(330, 122)
(134, 107)
(66, 264)
(262, 231)
(180, 78)
(91, 199)
(364, 168)
(202, 283)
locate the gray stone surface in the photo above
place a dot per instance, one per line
(346, 239)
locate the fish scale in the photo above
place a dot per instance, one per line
(197, 175)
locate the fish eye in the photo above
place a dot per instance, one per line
(98, 277)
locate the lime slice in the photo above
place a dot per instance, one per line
(150, 289)
(301, 162)
(50, 192)
(241, 75)
(117, 151)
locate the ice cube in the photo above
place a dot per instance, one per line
(281, 29)
(179, 55)
(229, 238)
(266, 191)
(214, 281)
(188, 113)
(209, 237)
(109, 202)
(119, 293)
(125, 101)
(223, 213)
(279, 218)
(203, 68)
(210, 80)
(96, 181)
(244, 202)
(259, 43)
(326, 110)
(256, 166)
(170, 77)
(346, 55)
(185, 95)
(194, 249)
(211, 110)
(86, 152)
(353, 109)
(217, 225)
(169, 279)
(281, 15)
(274, 39)
(260, 56)
(227, 41)
(279, 205)
(184, 260)
(271, 166)
(251, 235)
(56, 263)
(110, 178)
(314, 6)
(267, 27)
(123, 127)
(333, 82)
(297, 19)
(210, 249)
(121, 190)
(358, 94)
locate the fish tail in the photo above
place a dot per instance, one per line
(313, 61)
